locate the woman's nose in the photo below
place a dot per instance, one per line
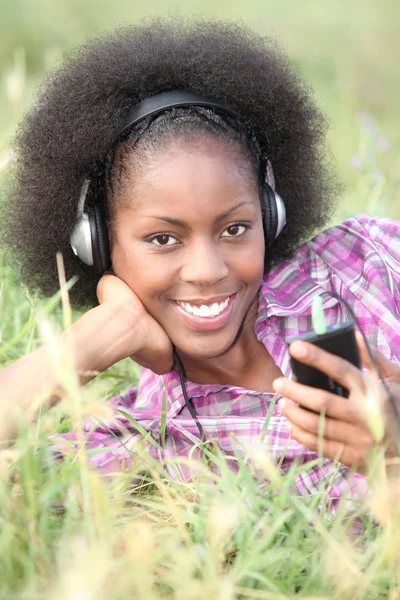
(204, 265)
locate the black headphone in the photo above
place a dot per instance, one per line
(89, 237)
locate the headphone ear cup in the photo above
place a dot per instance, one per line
(81, 240)
(269, 214)
(100, 243)
(274, 213)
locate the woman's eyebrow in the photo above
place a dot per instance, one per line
(225, 214)
(181, 223)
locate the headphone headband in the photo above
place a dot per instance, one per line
(172, 99)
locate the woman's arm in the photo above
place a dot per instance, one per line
(119, 327)
(94, 343)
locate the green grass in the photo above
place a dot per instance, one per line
(222, 536)
(229, 539)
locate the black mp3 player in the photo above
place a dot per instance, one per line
(339, 340)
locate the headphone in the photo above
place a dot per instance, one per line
(89, 237)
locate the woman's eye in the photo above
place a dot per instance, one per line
(163, 240)
(235, 230)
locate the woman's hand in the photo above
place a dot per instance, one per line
(144, 339)
(389, 371)
(347, 432)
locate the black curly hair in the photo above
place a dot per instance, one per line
(73, 125)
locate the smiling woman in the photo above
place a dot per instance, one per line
(182, 234)
(201, 274)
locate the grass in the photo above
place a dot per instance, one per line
(65, 531)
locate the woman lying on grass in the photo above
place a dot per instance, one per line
(200, 260)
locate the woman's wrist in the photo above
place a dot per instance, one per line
(102, 337)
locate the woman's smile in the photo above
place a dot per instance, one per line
(206, 314)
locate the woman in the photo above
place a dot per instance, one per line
(183, 135)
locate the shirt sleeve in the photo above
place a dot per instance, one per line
(362, 257)
(382, 240)
(110, 439)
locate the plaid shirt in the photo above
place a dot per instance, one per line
(360, 261)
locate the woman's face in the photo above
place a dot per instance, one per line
(188, 240)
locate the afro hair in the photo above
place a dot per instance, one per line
(82, 105)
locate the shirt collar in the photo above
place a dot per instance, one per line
(287, 291)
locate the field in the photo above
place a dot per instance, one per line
(66, 532)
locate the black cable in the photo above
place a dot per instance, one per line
(188, 400)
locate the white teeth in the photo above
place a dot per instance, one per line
(224, 304)
(214, 309)
(187, 307)
(204, 310)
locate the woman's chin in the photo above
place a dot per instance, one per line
(204, 349)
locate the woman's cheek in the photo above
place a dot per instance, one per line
(249, 266)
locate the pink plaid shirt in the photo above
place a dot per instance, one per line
(359, 260)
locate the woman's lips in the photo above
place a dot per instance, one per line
(207, 323)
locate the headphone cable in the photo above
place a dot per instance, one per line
(188, 401)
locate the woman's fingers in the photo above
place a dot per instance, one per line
(364, 355)
(336, 440)
(146, 341)
(343, 432)
(317, 400)
(350, 455)
(388, 368)
(111, 288)
(338, 368)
